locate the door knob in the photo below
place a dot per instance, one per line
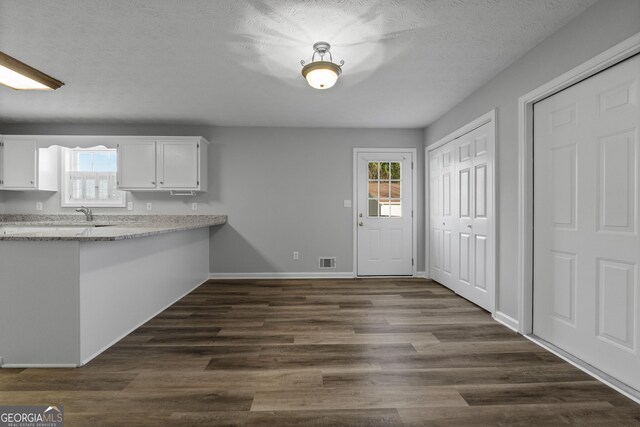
(360, 215)
(468, 226)
(360, 223)
(443, 223)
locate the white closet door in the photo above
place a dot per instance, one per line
(441, 217)
(586, 241)
(461, 216)
(474, 217)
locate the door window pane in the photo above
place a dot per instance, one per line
(373, 170)
(384, 189)
(373, 207)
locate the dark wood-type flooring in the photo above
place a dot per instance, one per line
(322, 352)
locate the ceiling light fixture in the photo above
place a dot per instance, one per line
(321, 74)
(18, 75)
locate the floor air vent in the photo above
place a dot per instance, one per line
(327, 262)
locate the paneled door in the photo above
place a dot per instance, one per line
(586, 237)
(474, 217)
(442, 173)
(384, 214)
(461, 215)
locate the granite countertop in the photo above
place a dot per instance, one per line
(102, 228)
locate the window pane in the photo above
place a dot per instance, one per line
(85, 162)
(395, 190)
(373, 189)
(384, 170)
(395, 208)
(373, 170)
(373, 207)
(384, 189)
(103, 188)
(384, 207)
(395, 170)
(92, 177)
(89, 188)
(76, 188)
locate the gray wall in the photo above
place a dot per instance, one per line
(603, 25)
(283, 189)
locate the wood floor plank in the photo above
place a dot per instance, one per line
(347, 352)
(357, 398)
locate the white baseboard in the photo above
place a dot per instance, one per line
(421, 274)
(507, 321)
(37, 365)
(299, 275)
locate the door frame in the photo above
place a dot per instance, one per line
(414, 195)
(610, 57)
(487, 118)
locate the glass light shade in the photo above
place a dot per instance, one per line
(17, 81)
(321, 74)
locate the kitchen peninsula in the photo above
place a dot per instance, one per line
(117, 273)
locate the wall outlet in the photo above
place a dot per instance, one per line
(38, 206)
(194, 206)
(346, 204)
(129, 206)
(296, 255)
(149, 206)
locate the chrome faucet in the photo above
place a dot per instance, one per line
(87, 212)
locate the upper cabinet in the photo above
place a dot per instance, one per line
(24, 166)
(137, 165)
(167, 164)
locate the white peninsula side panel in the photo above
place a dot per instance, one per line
(73, 300)
(125, 283)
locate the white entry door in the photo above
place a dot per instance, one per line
(461, 215)
(586, 236)
(384, 214)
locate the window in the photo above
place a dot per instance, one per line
(385, 199)
(89, 178)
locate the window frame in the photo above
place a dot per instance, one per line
(66, 163)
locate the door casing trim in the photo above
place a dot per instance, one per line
(608, 58)
(354, 200)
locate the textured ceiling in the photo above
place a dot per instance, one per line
(237, 62)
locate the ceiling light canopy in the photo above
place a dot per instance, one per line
(321, 74)
(20, 76)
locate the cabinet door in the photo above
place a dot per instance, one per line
(19, 164)
(137, 165)
(178, 165)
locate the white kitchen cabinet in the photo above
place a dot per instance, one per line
(163, 164)
(137, 165)
(24, 166)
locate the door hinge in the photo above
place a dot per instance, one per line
(411, 214)
(197, 145)
(117, 145)
(197, 182)
(411, 165)
(412, 262)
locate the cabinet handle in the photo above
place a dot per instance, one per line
(153, 182)
(161, 182)
(31, 182)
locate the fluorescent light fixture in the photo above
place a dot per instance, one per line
(18, 75)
